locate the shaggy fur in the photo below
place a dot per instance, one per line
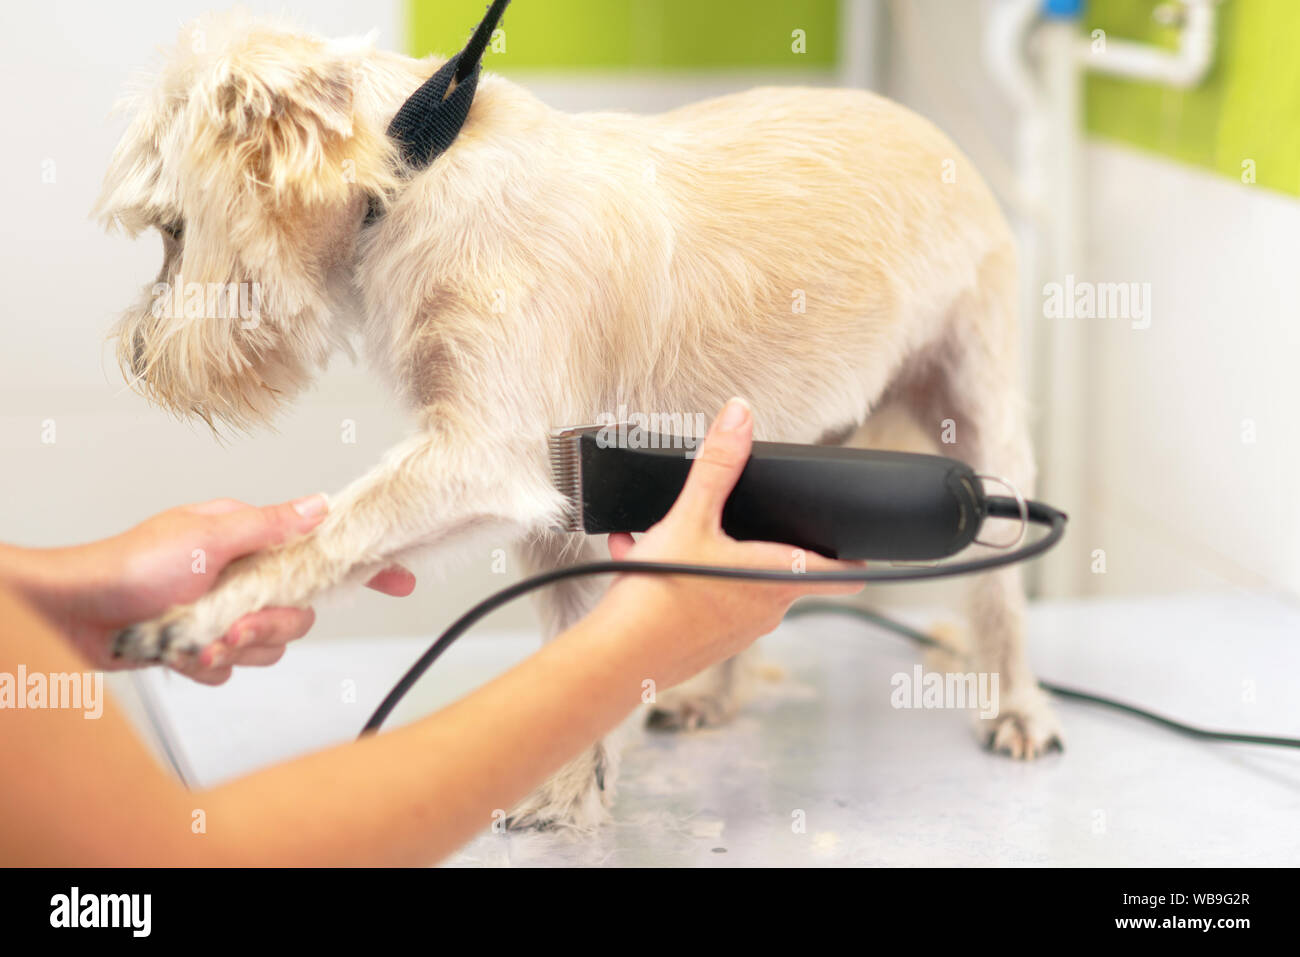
(820, 252)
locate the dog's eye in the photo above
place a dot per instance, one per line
(174, 230)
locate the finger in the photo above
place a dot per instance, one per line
(813, 563)
(270, 626)
(838, 588)
(620, 543)
(719, 461)
(204, 675)
(393, 580)
(259, 656)
(250, 529)
(820, 563)
(213, 676)
(776, 556)
(218, 506)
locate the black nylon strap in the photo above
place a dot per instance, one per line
(429, 121)
(472, 55)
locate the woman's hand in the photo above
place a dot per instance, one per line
(711, 619)
(94, 591)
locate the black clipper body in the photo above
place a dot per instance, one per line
(842, 503)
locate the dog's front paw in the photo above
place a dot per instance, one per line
(576, 797)
(1025, 727)
(173, 639)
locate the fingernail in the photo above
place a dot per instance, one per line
(313, 506)
(734, 415)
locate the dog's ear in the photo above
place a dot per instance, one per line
(275, 121)
(274, 148)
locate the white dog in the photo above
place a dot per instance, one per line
(820, 252)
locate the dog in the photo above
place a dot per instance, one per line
(824, 253)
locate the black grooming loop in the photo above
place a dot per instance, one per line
(431, 118)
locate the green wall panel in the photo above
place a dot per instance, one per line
(637, 34)
(1248, 108)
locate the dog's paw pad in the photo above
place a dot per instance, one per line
(576, 798)
(532, 820)
(1024, 733)
(543, 813)
(160, 640)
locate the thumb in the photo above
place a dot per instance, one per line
(719, 461)
(253, 528)
(620, 543)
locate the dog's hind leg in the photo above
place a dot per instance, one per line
(578, 794)
(715, 695)
(963, 390)
(711, 698)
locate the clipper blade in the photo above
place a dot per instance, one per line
(566, 474)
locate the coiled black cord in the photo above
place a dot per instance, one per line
(997, 506)
(1061, 691)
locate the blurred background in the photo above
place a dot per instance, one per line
(1148, 154)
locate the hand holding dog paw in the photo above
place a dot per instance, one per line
(95, 591)
(711, 619)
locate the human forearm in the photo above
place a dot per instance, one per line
(415, 794)
(409, 796)
(59, 582)
(92, 794)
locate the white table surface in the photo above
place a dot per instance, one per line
(875, 785)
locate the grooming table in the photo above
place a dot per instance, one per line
(820, 770)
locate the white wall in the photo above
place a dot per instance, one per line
(1185, 496)
(1168, 488)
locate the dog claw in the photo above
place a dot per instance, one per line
(151, 642)
(133, 644)
(1018, 738)
(123, 640)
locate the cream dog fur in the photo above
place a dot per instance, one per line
(820, 252)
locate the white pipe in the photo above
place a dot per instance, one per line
(1184, 68)
(1047, 146)
(1004, 49)
(1062, 367)
(1005, 40)
(861, 46)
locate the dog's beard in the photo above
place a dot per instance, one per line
(233, 369)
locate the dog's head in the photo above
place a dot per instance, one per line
(250, 154)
